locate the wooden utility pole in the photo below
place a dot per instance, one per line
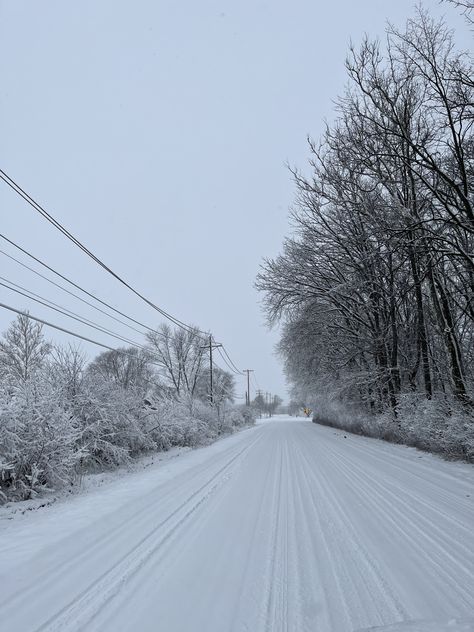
(248, 371)
(268, 400)
(211, 383)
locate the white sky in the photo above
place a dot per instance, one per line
(157, 132)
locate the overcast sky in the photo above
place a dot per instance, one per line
(158, 132)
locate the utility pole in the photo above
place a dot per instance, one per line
(248, 371)
(211, 385)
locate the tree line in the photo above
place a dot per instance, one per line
(375, 286)
(61, 416)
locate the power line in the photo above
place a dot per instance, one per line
(232, 367)
(66, 331)
(255, 381)
(83, 319)
(231, 361)
(79, 298)
(81, 337)
(50, 305)
(65, 278)
(42, 211)
(227, 363)
(38, 208)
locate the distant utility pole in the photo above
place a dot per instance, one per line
(248, 371)
(211, 385)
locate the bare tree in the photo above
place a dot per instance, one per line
(180, 355)
(67, 368)
(466, 7)
(375, 285)
(127, 367)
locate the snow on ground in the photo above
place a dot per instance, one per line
(17, 510)
(287, 526)
(454, 625)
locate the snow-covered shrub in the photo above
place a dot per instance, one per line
(167, 419)
(191, 423)
(196, 432)
(199, 422)
(60, 417)
(176, 422)
(38, 441)
(436, 425)
(210, 418)
(113, 423)
(242, 416)
(458, 439)
(337, 414)
(161, 426)
(223, 419)
(420, 421)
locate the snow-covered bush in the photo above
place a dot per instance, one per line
(185, 422)
(164, 430)
(438, 425)
(242, 416)
(60, 417)
(172, 424)
(458, 439)
(191, 423)
(225, 419)
(39, 446)
(330, 411)
(113, 423)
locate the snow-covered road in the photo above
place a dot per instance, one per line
(287, 526)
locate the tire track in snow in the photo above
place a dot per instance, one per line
(333, 609)
(367, 580)
(404, 522)
(138, 516)
(259, 529)
(295, 563)
(270, 580)
(81, 610)
(378, 452)
(427, 529)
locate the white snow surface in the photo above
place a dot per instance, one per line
(284, 527)
(454, 625)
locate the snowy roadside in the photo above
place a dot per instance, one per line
(118, 486)
(16, 510)
(32, 523)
